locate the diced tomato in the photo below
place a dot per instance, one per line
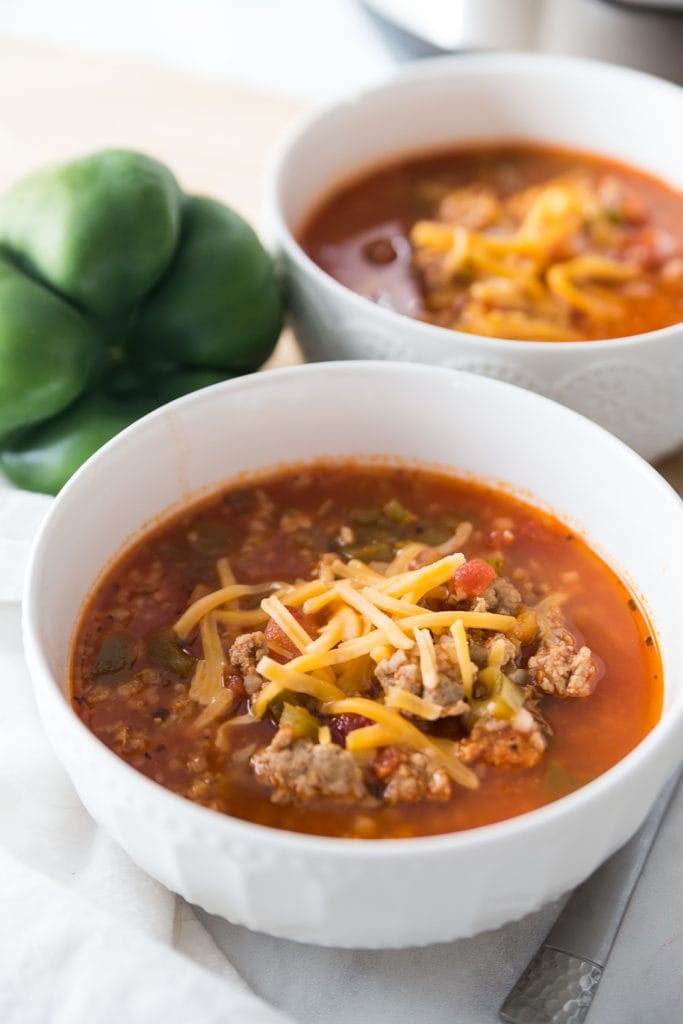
(473, 577)
(342, 725)
(280, 643)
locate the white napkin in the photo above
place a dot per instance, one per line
(21, 513)
(85, 935)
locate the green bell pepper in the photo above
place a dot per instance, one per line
(117, 293)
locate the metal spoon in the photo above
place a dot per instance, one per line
(559, 984)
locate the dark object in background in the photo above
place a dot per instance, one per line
(644, 34)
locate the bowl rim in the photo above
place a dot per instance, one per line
(226, 827)
(457, 66)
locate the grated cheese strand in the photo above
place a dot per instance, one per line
(207, 686)
(391, 604)
(298, 594)
(346, 651)
(292, 629)
(226, 576)
(319, 601)
(329, 636)
(214, 654)
(496, 653)
(405, 733)
(420, 581)
(428, 668)
(351, 621)
(401, 562)
(444, 620)
(324, 735)
(238, 617)
(403, 700)
(381, 653)
(462, 651)
(356, 571)
(282, 677)
(368, 737)
(198, 609)
(373, 614)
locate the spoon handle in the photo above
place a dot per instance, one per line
(559, 984)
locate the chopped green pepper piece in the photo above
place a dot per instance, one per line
(165, 651)
(505, 696)
(375, 551)
(396, 512)
(302, 723)
(117, 652)
(433, 535)
(364, 516)
(497, 562)
(209, 538)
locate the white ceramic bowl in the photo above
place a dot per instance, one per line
(348, 892)
(633, 385)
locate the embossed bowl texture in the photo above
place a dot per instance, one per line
(632, 386)
(359, 893)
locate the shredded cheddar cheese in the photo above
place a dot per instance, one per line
(428, 669)
(207, 686)
(463, 655)
(292, 629)
(404, 732)
(359, 617)
(225, 574)
(403, 700)
(372, 614)
(225, 595)
(283, 677)
(419, 582)
(345, 651)
(369, 737)
(238, 617)
(546, 263)
(391, 604)
(324, 734)
(444, 620)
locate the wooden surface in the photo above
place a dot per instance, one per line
(217, 140)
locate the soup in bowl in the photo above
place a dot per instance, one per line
(365, 650)
(520, 216)
(294, 671)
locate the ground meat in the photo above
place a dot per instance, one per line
(245, 654)
(480, 648)
(502, 597)
(402, 669)
(558, 667)
(448, 690)
(515, 742)
(411, 776)
(302, 770)
(247, 651)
